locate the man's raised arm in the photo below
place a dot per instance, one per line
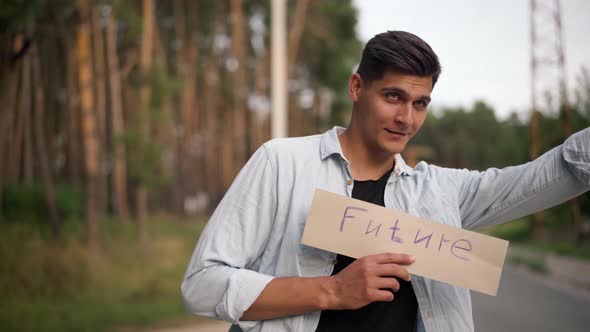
(500, 195)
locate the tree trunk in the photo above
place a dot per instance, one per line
(214, 148)
(100, 93)
(226, 121)
(40, 143)
(227, 147)
(188, 106)
(297, 26)
(145, 65)
(240, 113)
(27, 121)
(164, 131)
(7, 117)
(117, 124)
(574, 202)
(295, 33)
(260, 121)
(180, 36)
(89, 137)
(537, 218)
(15, 150)
(73, 137)
(141, 204)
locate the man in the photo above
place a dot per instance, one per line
(250, 268)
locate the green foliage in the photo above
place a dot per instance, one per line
(144, 155)
(129, 16)
(66, 288)
(143, 158)
(28, 203)
(330, 49)
(163, 86)
(20, 15)
(562, 247)
(474, 138)
(558, 240)
(29, 16)
(517, 231)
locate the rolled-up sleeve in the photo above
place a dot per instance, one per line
(576, 153)
(499, 195)
(221, 281)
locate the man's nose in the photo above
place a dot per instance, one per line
(403, 115)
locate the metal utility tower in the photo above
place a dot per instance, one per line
(548, 75)
(547, 64)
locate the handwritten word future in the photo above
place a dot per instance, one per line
(458, 248)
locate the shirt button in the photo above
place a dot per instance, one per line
(349, 182)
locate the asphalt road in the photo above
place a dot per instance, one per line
(528, 302)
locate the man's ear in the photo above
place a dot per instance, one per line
(355, 85)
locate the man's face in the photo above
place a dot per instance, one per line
(390, 111)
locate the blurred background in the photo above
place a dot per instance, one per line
(122, 123)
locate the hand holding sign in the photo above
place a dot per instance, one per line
(355, 228)
(365, 280)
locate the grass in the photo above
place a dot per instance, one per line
(48, 287)
(557, 239)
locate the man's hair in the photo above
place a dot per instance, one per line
(400, 52)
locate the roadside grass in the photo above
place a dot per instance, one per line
(557, 239)
(64, 287)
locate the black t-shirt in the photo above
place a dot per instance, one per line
(398, 315)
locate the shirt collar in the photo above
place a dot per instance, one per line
(330, 144)
(401, 168)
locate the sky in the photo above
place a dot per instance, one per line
(483, 46)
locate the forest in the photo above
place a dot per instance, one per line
(122, 123)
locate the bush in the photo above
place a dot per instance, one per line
(27, 202)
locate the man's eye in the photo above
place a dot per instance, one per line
(421, 103)
(392, 96)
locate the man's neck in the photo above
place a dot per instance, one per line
(365, 163)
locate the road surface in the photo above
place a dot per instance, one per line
(528, 302)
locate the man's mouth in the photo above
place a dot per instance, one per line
(396, 133)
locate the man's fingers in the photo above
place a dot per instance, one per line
(387, 283)
(381, 295)
(392, 270)
(390, 257)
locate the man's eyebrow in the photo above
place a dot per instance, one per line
(392, 89)
(403, 93)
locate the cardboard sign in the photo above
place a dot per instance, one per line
(355, 228)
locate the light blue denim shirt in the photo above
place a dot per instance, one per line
(255, 233)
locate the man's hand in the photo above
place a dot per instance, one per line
(362, 282)
(368, 279)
